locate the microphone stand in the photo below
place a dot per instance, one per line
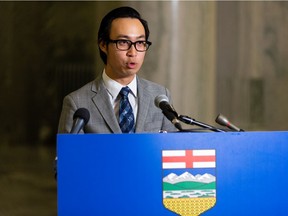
(188, 120)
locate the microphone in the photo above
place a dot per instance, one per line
(80, 119)
(222, 120)
(162, 102)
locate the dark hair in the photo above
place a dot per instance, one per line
(105, 26)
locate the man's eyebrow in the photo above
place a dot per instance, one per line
(128, 37)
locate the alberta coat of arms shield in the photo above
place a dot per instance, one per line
(189, 180)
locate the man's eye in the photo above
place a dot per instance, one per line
(141, 43)
(123, 42)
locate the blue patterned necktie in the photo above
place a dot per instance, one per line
(126, 117)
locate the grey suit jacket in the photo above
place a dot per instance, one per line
(94, 97)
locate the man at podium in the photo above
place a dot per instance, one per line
(118, 100)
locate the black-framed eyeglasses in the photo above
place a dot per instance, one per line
(124, 45)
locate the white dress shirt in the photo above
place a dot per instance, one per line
(113, 88)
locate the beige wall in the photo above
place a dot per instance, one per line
(252, 71)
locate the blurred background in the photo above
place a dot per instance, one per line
(215, 57)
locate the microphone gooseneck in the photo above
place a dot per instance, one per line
(169, 115)
(191, 121)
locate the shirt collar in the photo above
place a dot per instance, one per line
(114, 87)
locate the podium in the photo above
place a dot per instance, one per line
(147, 174)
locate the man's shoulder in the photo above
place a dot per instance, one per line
(147, 88)
(144, 83)
(88, 88)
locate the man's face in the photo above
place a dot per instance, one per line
(123, 65)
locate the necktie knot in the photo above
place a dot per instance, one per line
(125, 91)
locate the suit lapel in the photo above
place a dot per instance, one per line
(102, 102)
(143, 105)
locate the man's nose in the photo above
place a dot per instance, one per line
(132, 51)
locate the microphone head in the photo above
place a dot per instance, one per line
(82, 113)
(222, 120)
(159, 99)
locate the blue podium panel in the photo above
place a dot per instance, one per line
(173, 174)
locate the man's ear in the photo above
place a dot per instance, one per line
(103, 46)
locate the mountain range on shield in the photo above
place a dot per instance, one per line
(189, 186)
(206, 178)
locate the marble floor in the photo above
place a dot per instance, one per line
(27, 184)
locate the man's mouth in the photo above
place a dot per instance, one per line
(131, 65)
